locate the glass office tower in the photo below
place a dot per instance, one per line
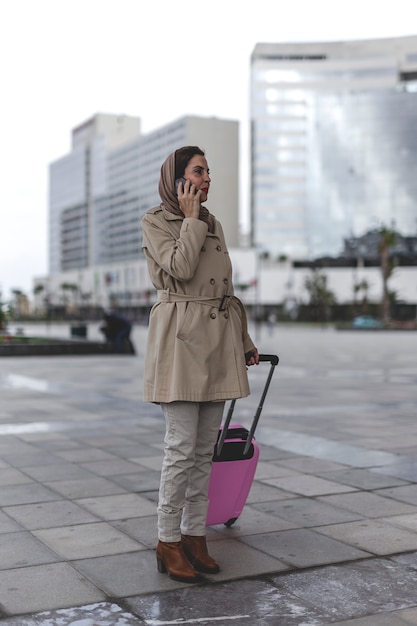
(334, 139)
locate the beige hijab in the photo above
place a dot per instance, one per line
(169, 196)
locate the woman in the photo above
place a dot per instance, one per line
(195, 358)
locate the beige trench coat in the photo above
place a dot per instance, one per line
(195, 351)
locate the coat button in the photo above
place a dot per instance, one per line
(226, 315)
(225, 281)
(218, 248)
(213, 316)
(203, 249)
(212, 281)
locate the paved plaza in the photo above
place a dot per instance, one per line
(329, 532)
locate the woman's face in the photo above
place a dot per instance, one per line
(197, 171)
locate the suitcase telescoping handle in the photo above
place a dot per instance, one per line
(273, 360)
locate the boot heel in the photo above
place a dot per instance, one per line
(171, 560)
(161, 565)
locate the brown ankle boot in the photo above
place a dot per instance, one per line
(195, 549)
(170, 558)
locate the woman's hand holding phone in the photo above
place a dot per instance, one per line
(188, 197)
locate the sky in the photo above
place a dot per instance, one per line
(63, 61)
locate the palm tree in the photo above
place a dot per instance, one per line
(71, 287)
(3, 317)
(321, 298)
(361, 286)
(386, 242)
(38, 289)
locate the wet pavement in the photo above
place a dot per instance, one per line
(329, 532)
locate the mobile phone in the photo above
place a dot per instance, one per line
(183, 181)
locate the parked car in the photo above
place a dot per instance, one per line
(367, 321)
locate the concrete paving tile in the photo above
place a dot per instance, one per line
(244, 603)
(405, 493)
(86, 455)
(271, 453)
(260, 492)
(362, 479)
(158, 445)
(369, 504)
(409, 451)
(151, 435)
(110, 468)
(311, 465)
(405, 521)
(87, 540)
(11, 476)
(107, 441)
(374, 536)
(405, 470)
(49, 514)
(73, 489)
(305, 485)
(20, 549)
(29, 460)
(139, 483)
(397, 442)
(62, 471)
(308, 445)
(7, 525)
(11, 447)
(99, 614)
(152, 496)
(125, 575)
(41, 438)
(63, 443)
(252, 521)
(45, 587)
(238, 559)
(272, 470)
(149, 462)
(26, 494)
(131, 451)
(303, 548)
(118, 506)
(353, 590)
(142, 529)
(409, 559)
(408, 615)
(379, 619)
(306, 512)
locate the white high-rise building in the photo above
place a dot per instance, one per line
(334, 139)
(76, 181)
(101, 189)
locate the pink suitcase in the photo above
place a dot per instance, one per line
(234, 462)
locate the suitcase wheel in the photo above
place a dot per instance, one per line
(230, 522)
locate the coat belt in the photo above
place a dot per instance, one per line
(165, 295)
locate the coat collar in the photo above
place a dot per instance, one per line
(172, 217)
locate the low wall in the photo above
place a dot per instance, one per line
(61, 348)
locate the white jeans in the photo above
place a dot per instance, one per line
(191, 434)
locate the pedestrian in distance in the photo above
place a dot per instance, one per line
(116, 328)
(197, 353)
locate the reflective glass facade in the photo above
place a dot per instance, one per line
(334, 134)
